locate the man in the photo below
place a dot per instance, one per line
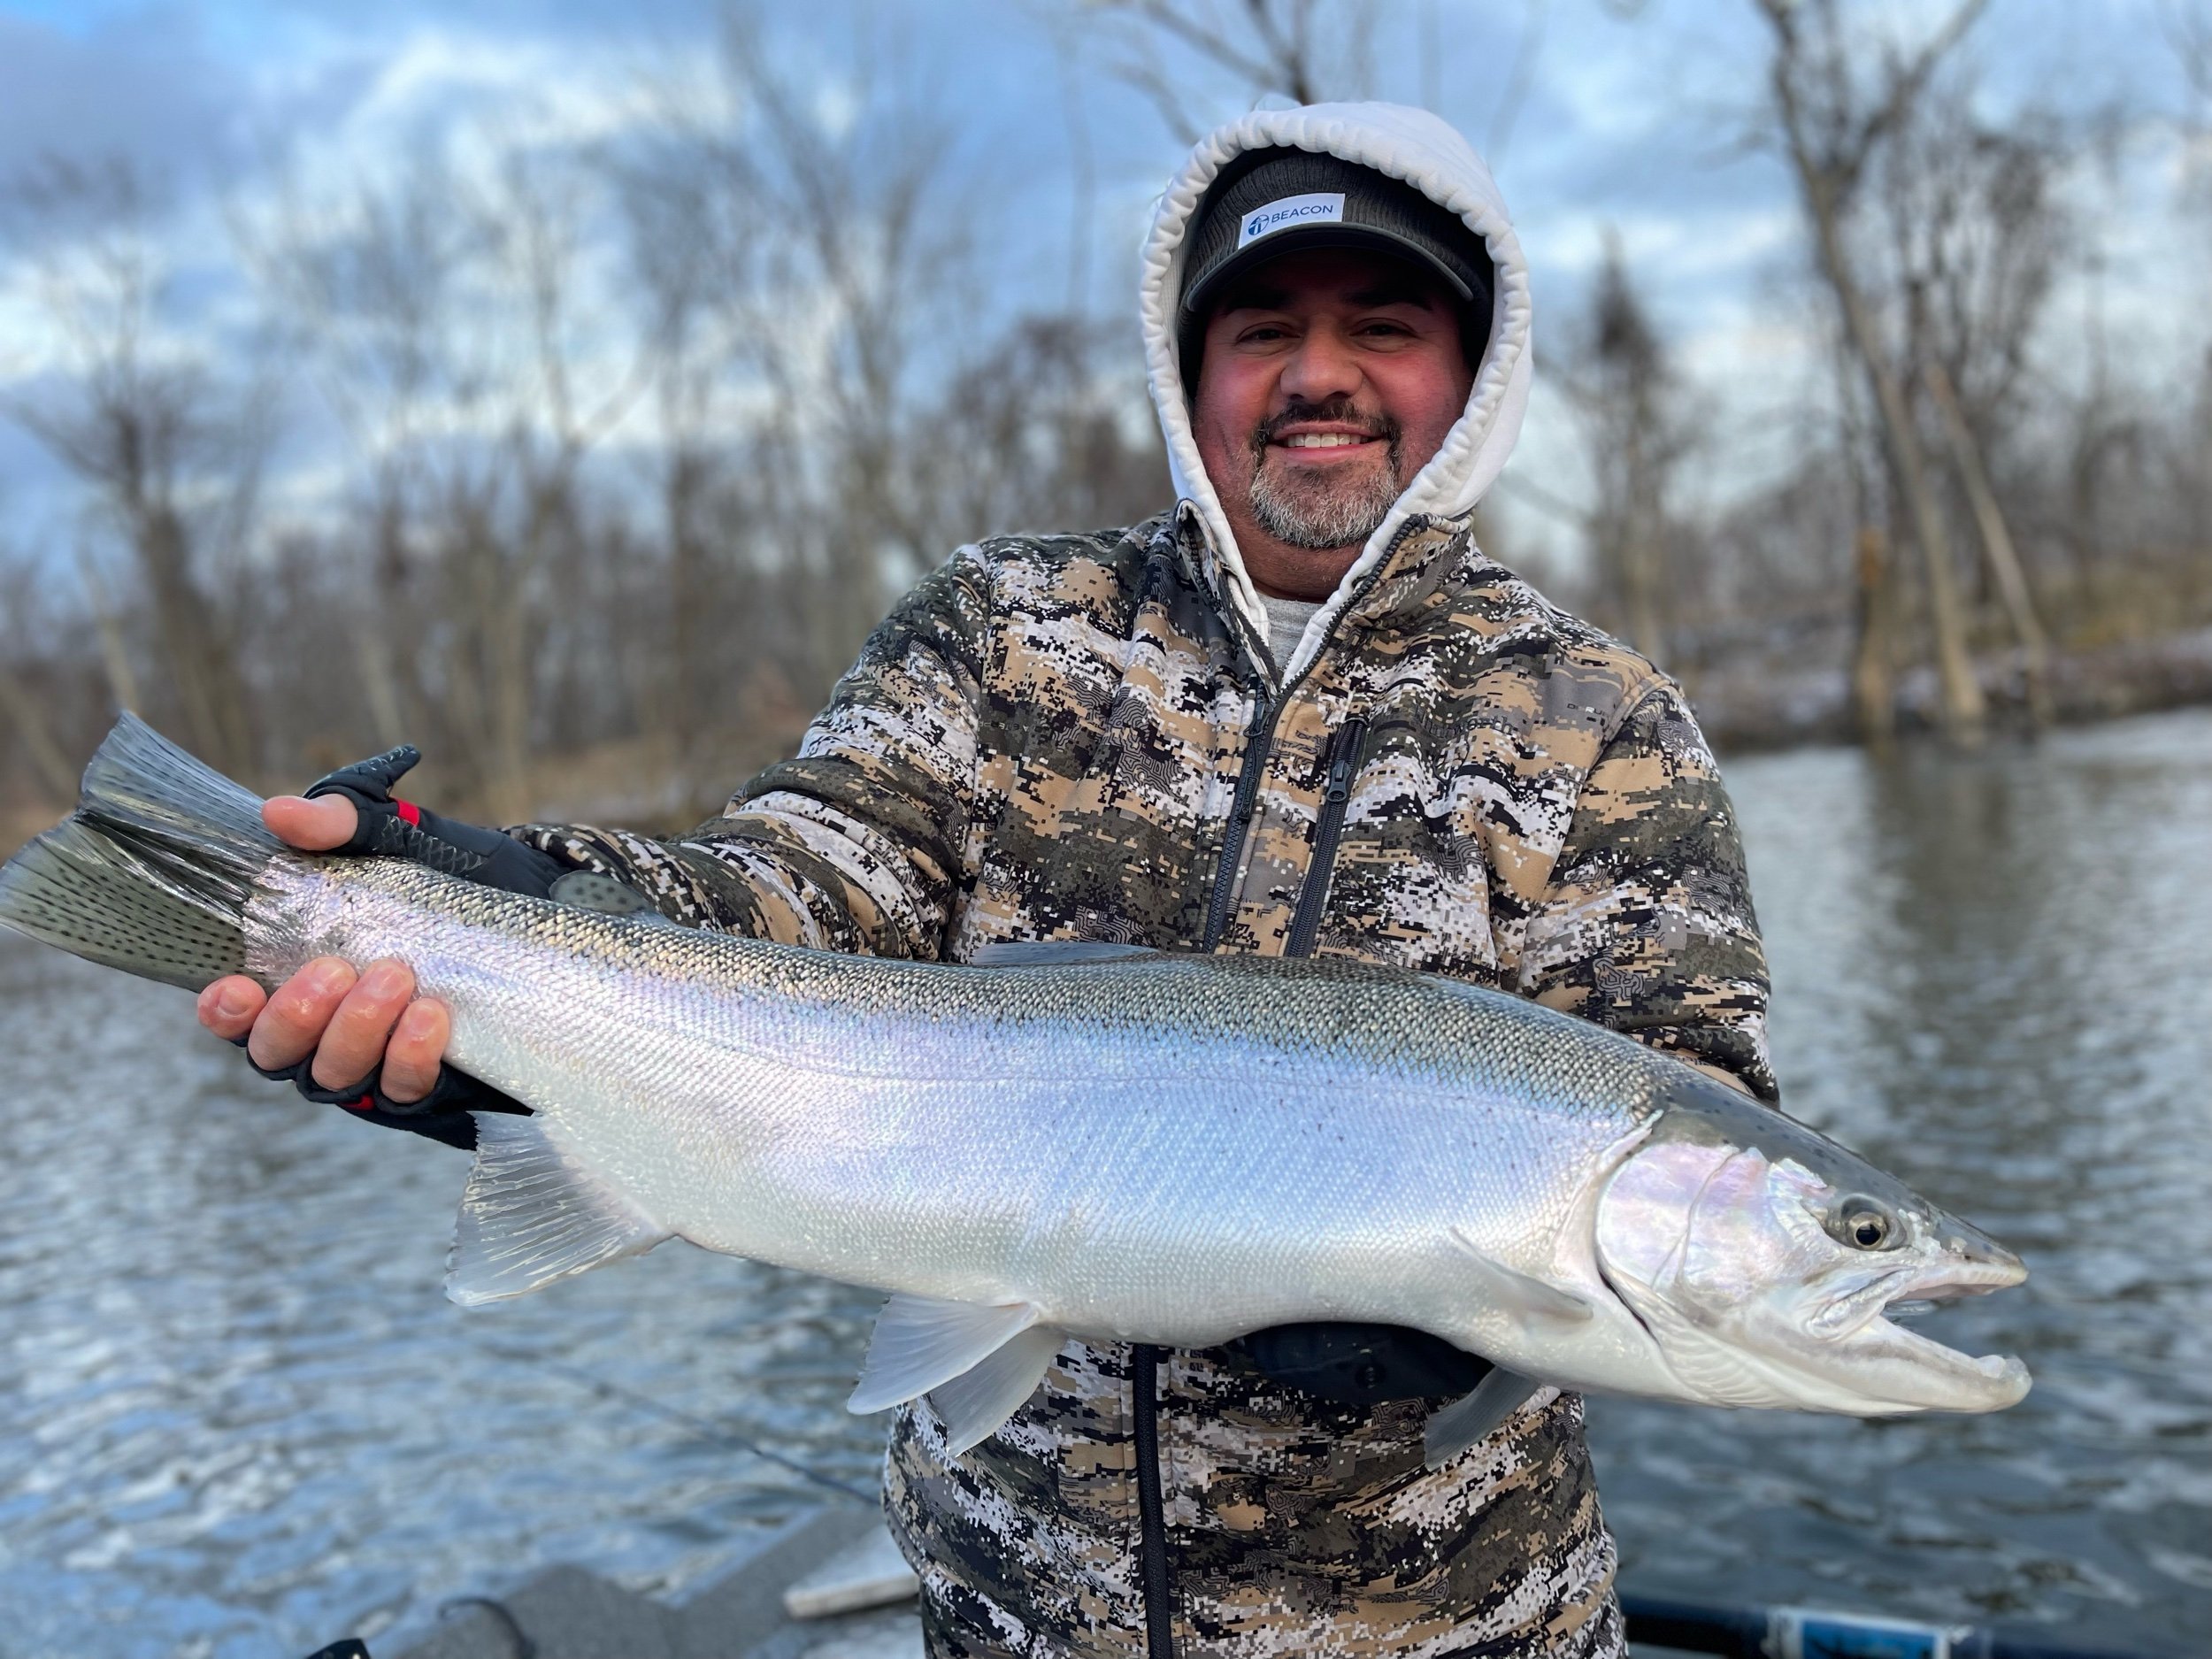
(1299, 713)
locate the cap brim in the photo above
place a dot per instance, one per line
(1299, 241)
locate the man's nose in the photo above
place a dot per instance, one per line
(1323, 366)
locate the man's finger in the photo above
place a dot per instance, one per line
(354, 1041)
(229, 1007)
(292, 1024)
(316, 825)
(412, 1058)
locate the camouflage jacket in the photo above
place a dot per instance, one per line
(1076, 737)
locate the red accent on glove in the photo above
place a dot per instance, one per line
(409, 811)
(364, 1104)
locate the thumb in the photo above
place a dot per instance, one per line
(315, 825)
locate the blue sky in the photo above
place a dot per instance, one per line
(1631, 125)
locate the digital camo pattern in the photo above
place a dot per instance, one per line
(1297, 1526)
(1044, 740)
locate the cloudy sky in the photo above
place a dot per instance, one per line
(1592, 122)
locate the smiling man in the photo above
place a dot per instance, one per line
(1300, 712)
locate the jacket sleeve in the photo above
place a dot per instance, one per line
(857, 844)
(1647, 925)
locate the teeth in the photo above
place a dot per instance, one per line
(1322, 440)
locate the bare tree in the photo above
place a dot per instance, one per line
(831, 269)
(1639, 430)
(170, 451)
(1830, 112)
(533, 228)
(1997, 547)
(370, 282)
(1977, 227)
(1306, 51)
(1038, 433)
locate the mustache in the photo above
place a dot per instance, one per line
(1339, 411)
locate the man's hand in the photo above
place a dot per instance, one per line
(348, 1022)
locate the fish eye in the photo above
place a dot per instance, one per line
(1864, 1224)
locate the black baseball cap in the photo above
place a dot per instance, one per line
(1268, 203)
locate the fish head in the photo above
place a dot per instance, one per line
(1763, 1259)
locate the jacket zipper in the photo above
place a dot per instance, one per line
(1259, 743)
(1344, 758)
(1152, 1563)
(1159, 1604)
(1259, 738)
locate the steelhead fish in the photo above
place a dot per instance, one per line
(1088, 1140)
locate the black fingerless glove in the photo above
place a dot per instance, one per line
(442, 1114)
(394, 828)
(1362, 1364)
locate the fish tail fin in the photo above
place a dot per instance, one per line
(153, 871)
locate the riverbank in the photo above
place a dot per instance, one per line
(648, 784)
(1754, 707)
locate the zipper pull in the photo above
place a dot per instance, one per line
(1344, 760)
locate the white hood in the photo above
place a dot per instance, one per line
(1429, 155)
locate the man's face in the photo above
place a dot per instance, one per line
(1330, 376)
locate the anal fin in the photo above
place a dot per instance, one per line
(974, 1404)
(1473, 1417)
(530, 1216)
(921, 1342)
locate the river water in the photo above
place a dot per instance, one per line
(238, 1418)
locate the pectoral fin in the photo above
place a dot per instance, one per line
(921, 1343)
(974, 1404)
(531, 1214)
(1465, 1421)
(1500, 1286)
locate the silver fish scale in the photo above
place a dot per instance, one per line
(1172, 1149)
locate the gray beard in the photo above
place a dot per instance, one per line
(1320, 516)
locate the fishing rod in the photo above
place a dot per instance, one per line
(1797, 1632)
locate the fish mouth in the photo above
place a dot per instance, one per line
(1923, 1374)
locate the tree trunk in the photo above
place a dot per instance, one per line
(683, 486)
(122, 683)
(1640, 554)
(2004, 561)
(1962, 709)
(199, 657)
(1873, 658)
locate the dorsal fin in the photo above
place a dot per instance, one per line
(1054, 953)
